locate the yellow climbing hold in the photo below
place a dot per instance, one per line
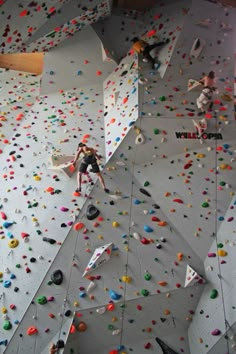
(37, 178)
(115, 224)
(76, 304)
(126, 279)
(13, 243)
(100, 237)
(1, 274)
(223, 166)
(222, 253)
(4, 309)
(200, 156)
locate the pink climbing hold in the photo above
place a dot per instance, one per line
(64, 209)
(3, 215)
(216, 332)
(211, 255)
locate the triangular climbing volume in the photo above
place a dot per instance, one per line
(192, 277)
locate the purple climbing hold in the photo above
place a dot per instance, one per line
(216, 332)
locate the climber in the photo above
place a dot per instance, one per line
(142, 47)
(209, 80)
(53, 349)
(90, 158)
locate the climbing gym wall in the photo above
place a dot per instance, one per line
(147, 266)
(120, 103)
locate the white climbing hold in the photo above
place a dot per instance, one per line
(116, 332)
(101, 310)
(140, 139)
(136, 236)
(91, 286)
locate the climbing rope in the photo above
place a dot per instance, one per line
(216, 240)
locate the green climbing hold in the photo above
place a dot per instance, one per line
(162, 98)
(110, 327)
(222, 183)
(147, 276)
(18, 265)
(220, 245)
(156, 131)
(7, 325)
(146, 184)
(42, 300)
(205, 205)
(214, 294)
(144, 292)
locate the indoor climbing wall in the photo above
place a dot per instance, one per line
(39, 26)
(31, 191)
(81, 65)
(120, 102)
(149, 265)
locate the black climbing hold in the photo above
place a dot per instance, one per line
(92, 212)
(60, 344)
(124, 73)
(165, 348)
(49, 240)
(67, 313)
(57, 277)
(32, 260)
(163, 319)
(111, 202)
(142, 190)
(155, 206)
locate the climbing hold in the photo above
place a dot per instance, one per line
(92, 212)
(216, 332)
(115, 224)
(7, 325)
(211, 255)
(82, 326)
(146, 184)
(114, 295)
(42, 300)
(78, 226)
(140, 139)
(32, 330)
(57, 277)
(64, 209)
(180, 256)
(147, 276)
(156, 131)
(3, 215)
(144, 292)
(205, 205)
(166, 312)
(13, 243)
(111, 307)
(147, 228)
(49, 240)
(126, 279)
(136, 236)
(7, 224)
(162, 283)
(222, 253)
(7, 284)
(142, 190)
(214, 294)
(177, 200)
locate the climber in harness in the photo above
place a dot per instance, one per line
(90, 157)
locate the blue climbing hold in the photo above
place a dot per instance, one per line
(7, 224)
(226, 146)
(221, 218)
(114, 295)
(136, 201)
(147, 228)
(7, 284)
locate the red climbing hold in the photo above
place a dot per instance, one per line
(177, 200)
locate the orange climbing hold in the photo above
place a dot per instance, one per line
(166, 312)
(82, 326)
(78, 226)
(162, 283)
(180, 256)
(162, 223)
(49, 189)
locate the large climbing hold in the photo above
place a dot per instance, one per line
(165, 348)
(57, 277)
(92, 212)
